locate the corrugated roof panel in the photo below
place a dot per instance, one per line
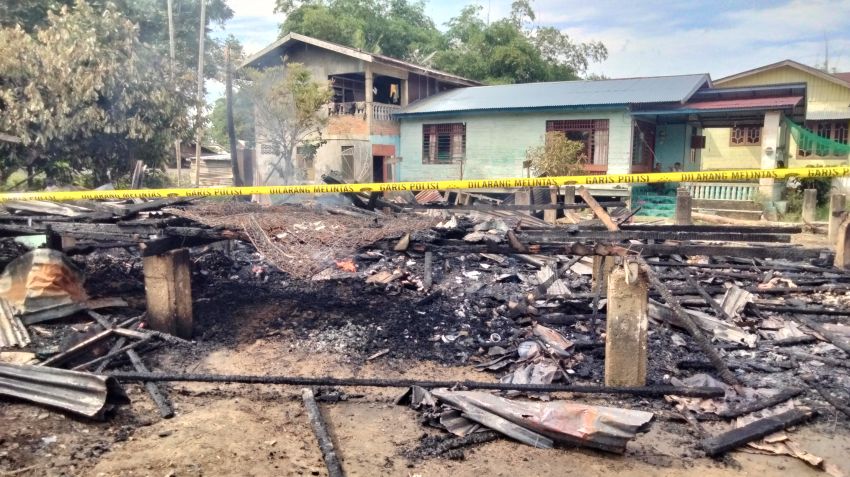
(659, 89)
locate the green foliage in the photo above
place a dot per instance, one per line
(151, 19)
(510, 50)
(398, 28)
(558, 156)
(288, 102)
(99, 102)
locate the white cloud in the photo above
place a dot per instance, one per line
(730, 41)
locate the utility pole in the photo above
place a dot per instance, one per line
(231, 127)
(199, 130)
(178, 161)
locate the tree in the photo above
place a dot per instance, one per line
(398, 28)
(512, 50)
(83, 93)
(243, 114)
(151, 18)
(287, 105)
(558, 156)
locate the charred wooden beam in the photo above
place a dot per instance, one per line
(320, 430)
(705, 345)
(755, 430)
(166, 410)
(771, 401)
(558, 236)
(645, 391)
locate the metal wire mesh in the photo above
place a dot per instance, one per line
(299, 240)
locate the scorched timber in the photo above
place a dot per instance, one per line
(647, 391)
(590, 249)
(557, 236)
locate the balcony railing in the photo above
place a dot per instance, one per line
(384, 112)
(743, 191)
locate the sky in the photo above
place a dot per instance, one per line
(647, 37)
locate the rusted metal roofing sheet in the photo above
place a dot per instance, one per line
(12, 331)
(562, 94)
(85, 394)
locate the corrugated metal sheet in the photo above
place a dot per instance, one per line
(12, 331)
(660, 89)
(85, 394)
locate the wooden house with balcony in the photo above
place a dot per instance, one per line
(362, 135)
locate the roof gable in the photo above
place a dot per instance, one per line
(836, 78)
(292, 38)
(563, 94)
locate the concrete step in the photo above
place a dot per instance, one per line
(731, 213)
(726, 204)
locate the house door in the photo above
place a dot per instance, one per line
(378, 169)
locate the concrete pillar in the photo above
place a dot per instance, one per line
(168, 290)
(842, 246)
(769, 188)
(523, 197)
(626, 327)
(837, 205)
(569, 194)
(551, 215)
(810, 204)
(602, 267)
(683, 207)
(405, 93)
(370, 97)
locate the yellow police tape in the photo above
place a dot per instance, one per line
(703, 176)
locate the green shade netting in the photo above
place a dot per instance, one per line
(814, 144)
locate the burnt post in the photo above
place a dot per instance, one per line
(683, 207)
(168, 290)
(626, 327)
(837, 205)
(810, 203)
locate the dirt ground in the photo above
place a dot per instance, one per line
(245, 430)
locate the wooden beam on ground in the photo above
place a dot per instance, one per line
(326, 445)
(755, 430)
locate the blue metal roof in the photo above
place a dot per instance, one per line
(561, 94)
